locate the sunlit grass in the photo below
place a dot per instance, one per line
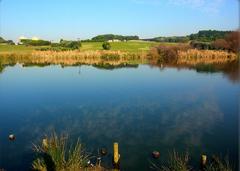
(56, 154)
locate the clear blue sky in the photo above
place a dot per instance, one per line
(72, 19)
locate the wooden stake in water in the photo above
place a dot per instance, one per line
(116, 156)
(203, 161)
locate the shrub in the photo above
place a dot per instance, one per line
(106, 46)
(221, 44)
(70, 44)
(166, 53)
(233, 40)
(230, 43)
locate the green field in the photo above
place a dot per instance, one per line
(130, 46)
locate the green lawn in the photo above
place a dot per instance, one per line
(16, 48)
(130, 46)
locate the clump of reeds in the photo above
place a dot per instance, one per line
(219, 165)
(55, 154)
(72, 57)
(180, 162)
(176, 162)
(194, 56)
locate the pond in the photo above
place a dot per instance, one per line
(143, 108)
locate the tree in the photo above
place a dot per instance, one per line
(106, 46)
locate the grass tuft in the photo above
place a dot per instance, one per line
(55, 154)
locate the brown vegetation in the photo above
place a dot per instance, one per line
(167, 54)
(71, 58)
(184, 54)
(193, 57)
(230, 43)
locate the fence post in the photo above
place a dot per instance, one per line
(116, 157)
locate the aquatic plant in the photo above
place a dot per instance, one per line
(56, 154)
(219, 165)
(176, 162)
(180, 162)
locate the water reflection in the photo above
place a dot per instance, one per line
(142, 108)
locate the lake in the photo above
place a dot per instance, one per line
(143, 108)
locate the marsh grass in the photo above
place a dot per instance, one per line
(194, 56)
(57, 155)
(176, 162)
(72, 57)
(180, 162)
(184, 54)
(219, 165)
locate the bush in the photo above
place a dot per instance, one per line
(106, 46)
(220, 44)
(70, 44)
(231, 42)
(166, 53)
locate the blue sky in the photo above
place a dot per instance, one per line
(72, 19)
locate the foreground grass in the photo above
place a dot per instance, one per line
(180, 162)
(55, 154)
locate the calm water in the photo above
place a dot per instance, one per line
(143, 108)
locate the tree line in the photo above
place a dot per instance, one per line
(107, 37)
(201, 36)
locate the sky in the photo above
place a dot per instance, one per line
(82, 19)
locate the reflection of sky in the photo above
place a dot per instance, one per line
(144, 109)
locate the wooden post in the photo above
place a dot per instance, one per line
(203, 161)
(116, 156)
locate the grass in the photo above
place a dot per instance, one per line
(176, 162)
(180, 162)
(16, 49)
(130, 46)
(55, 154)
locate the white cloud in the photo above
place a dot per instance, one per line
(212, 6)
(209, 6)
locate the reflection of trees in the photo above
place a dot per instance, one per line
(230, 70)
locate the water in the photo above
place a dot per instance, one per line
(143, 108)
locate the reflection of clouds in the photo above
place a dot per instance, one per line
(168, 116)
(139, 125)
(192, 123)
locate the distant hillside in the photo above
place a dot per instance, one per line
(202, 36)
(107, 37)
(2, 41)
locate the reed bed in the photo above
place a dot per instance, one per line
(194, 57)
(72, 57)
